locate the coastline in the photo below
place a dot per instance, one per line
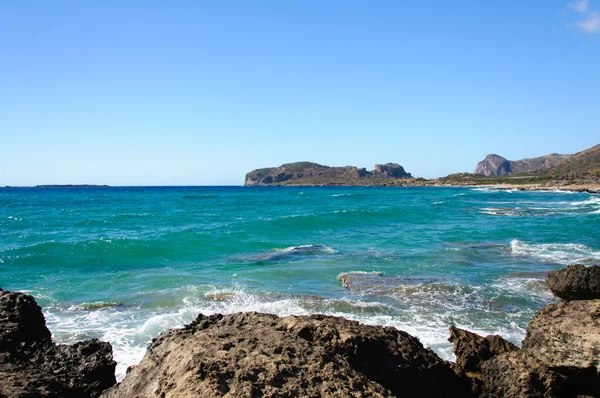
(592, 188)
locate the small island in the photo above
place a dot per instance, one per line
(72, 186)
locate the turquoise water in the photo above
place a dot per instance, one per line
(420, 259)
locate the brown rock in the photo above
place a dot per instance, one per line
(252, 354)
(31, 365)
(560, 356)
(576, 282)
(472, 349)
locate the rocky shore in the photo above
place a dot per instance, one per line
(253, 354)
(31, 365)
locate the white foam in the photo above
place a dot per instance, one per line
(594, 201)
(307, 248)
(425, 313)
(360, 273)
(561, 253)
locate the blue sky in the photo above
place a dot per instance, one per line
(201, 92)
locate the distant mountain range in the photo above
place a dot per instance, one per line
(554, 169)
(581, 164)
(495, 165)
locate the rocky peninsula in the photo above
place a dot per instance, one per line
(253, 354)
(577, 172)
(307, 173)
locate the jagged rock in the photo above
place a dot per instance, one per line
(31, 365)
(575, 282)
(307, 173)
(472, 349)
(252, 354)
(21, 321)
(493, 165)
(560, 356)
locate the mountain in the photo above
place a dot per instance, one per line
(495, 165)
(307, 173)
(583, 164)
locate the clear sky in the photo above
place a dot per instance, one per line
(201, 92)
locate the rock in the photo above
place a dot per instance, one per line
(576, 282)
(560, 356)
(307, 173)
(252, 354)
(493, 165)
(31, 365)
(472, 349)
(21, 321)
(393, 170)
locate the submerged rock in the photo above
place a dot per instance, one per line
(31, 365)
(576, 282)
(252, 354)
(560, 356)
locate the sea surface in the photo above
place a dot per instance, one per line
(124, 264)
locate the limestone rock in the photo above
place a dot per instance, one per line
(31, 365)
(252, 354)
(21, 321)
(576, 282)
(393, 170)
(493, 165)
(560, 356)
(472, 349)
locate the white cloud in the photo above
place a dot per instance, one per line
(579, 5)
(592, 24)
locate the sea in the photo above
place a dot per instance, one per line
(124, 264)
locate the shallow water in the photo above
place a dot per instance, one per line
(124, 264)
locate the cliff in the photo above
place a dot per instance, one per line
(307, 173)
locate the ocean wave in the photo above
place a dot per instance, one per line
(423, 308)
(591, 202)
(491, 189)
(560, 253)
(307, 249)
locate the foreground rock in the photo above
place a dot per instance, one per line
(576, 282)
(251, 354)
(560, 356)
(472, 350)
(31, 365)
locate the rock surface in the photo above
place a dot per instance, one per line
(31, 365)
(307, 173)
(495, 165)
(472, 349)
(252, 354)
(575, 282)
(560, 356)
